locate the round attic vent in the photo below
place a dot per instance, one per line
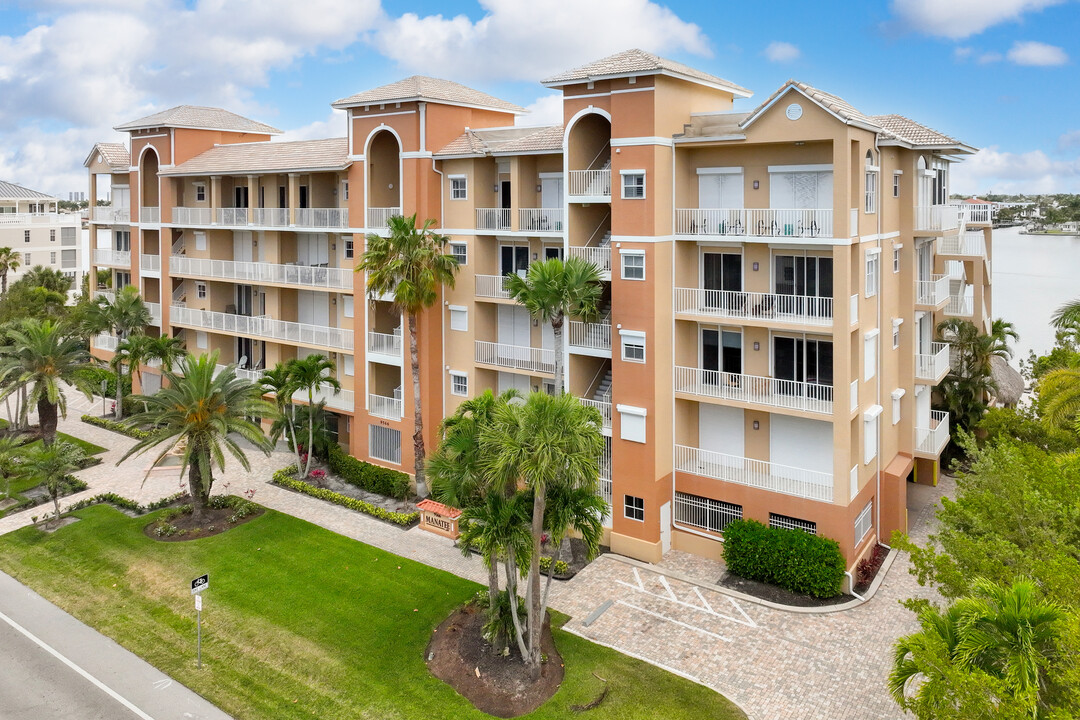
(794, 111)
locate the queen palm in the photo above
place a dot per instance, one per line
(280, 381)
(48, 278)
(1067, 316)
(53, 464)
(553, 290)
(137, 350)
(204, 413)
(1001, 334)
(125, 314)
(43, 359)
(409, 263)
(308, 374)
(9, 262)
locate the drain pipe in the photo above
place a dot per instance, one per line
(851, 585)
(880, 351)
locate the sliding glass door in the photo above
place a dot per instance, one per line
(721, 353)
(806, 363)
(721, 277)
(807, 278)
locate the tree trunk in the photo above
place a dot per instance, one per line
(119, 391)
(310, 431)
(418, 417)
(3, 283)
(511, 591)
(290, 425)
(47, 421)
(24, 411)
(536, 622)
(499, 643)
(557, 328)
(199, 497)
(55, 492)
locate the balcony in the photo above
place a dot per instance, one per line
(492, 218)
(540, 220)
(976, 213)
(150, 215)
(390, 408)
(741, 222)
(192, 216)
(321, 218)
(933, 292)
(930, 441)
(603, 407)
(600, 256)
(586, 337)
(378, 217)
(150, 265)
(515, 357)
(155, 313)
(111, 215)
(809, 484)
(492, 286)
(388, 345)
(112, 258)
(933, 366)
(264, 327)
(590, 184)
(960, 306)
(305, 276)
(752, 306)
(104, 341)
(107, 294)
(937, 218)
(968, 244)
(340, 400)
(36, 218)
(755, 390)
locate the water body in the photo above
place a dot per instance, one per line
(1033, 276)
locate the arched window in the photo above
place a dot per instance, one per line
(871, 183)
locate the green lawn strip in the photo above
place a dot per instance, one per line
(301, 622)
(87, 447)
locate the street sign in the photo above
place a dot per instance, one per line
(198, 602)
(200, 583)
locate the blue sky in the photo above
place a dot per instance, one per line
(998, 74)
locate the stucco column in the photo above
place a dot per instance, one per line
(253, 196)
(294, 197)
(215, 197)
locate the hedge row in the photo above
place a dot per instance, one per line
(118, 427)
(379, 480)
(792, 559)
(285, 479)
(125, 504)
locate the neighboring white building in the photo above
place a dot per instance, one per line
(31, 225)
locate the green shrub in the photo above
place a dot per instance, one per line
(284, 478)
(112, 499)
(379, 480)
(118, 427)
(96, 374)
(792, 559)
(561, 568)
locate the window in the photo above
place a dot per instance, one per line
(459, 318)
(459, 187)
(896, 323)
(633, 184)
(348, 246)
(873, 262)
(871, 183)
(633, 264)
(345, 189)
(631, 423)
(200, 241)
(67, 258)
(122, 240)
(67, 236)
(200, 339)
(870, 342)
(200, 192)
(459, 383)
(200, 290)
(26, 236)
(460, 251)
(633, 345)
(52, 258)
(384, 443)
(26, 258)
(896, 185)
(864, 522)
(705, 513)
(897, 396)
(896, 258)
(349, 365)
(634, 508)
(52, 236)
(347, 305)
(783, 522)
(870, 433)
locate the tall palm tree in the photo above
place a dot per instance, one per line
(553, 290)
(280, 381)
(48, 278)
(1059, 397)
(125, 314)
(53, 463)
(1001, 334)
(546, 441)
(204, 412)
(1067, 316)
(410, 264)
(970, 381)
(137, 350)
(9, 263)
(166, 349)
(43, 359)
(308, 374)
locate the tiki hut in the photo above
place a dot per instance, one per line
(1010, 384)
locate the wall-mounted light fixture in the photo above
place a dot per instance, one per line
(757, 345)
(757, 425)
(755, 266)
(495, 188)
(757, 184)
(539, 188)
(333, 301)
(536, 256)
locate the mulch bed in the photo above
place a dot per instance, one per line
(778, 595)
(215, 521)
(497, 685)
(868, 568)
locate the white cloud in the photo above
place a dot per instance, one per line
(1005, 172)
(782, 52)
(1068, 140)
(962, 53)
(333, 126)
(1037, 54)
(957, 19)
(542, 37)
(546, 110)
(990, 57)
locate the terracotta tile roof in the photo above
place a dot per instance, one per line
(837, 105)
(505, 141)
(643, 63)
(239, 158)
(420, 87)
(911, 131)
(193, 116)
(115, 155)
(438, 508)
(11, 191)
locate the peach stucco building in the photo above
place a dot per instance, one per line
(772, 279)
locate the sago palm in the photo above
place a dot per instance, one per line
(9, 263)
(204, 412)
(308, 374)
(125, 314)
(410, 264)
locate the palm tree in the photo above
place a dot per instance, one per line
(1067, 316)
(410, 263)
(1001, 334)
(280, 381)
(53, 464)
(138, 350)
(204, 412)
(9, 262)
(548, 440)
(314, 421)
(308, 374)
(554, 289)
(970, 382)
(124, 315)
(166, 349)
(10, 460)
(44, 358)
(48, 278)
(1059, 397)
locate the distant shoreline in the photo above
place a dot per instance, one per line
(1052, 234)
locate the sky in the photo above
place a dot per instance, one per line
(1000, 75)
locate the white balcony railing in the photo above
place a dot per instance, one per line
(590, 183)
(150, 263)
(598, 256)
(756, 222)
(384, 407)
(150, 215)
(385, 343)
(976, 213)
(969, 244)
(937, 217)
(111, 215)
(113, 258)
(340, 400)
(603, 407)
(104, 341)
(232, 216)
(960, 306)
(492, 218)
(516, 357)
(155, 313)
(256, 272)
(192, 216)
(270, 217)
(262, 326)
(933, 365)
(798, 309)
(755, 390)
(492, 286)
(378, 217)
(107, 294)
(540, 219)
(321, 217)
(933, 291)
(595, 336)
(932, 440)
(809, 484)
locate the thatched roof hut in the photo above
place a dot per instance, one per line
(1010, 383)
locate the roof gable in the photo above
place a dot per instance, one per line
(196, 117)
(11, 191)
(639, 62)
(115, 155)
(832, 104)
(429, 89)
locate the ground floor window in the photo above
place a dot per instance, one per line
(384, 443)
(634, 507)
(864, 522)
(705, 513)
(789, 523)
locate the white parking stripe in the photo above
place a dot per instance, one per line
(673, 620)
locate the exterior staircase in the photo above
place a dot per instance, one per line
(603, 389)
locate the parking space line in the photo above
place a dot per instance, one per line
(674, 621)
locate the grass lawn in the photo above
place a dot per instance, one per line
(300, 622)
(21, 484)
(87, 447)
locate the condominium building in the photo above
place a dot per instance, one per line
(31, 225)
(772, 279)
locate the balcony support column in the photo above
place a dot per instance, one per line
(215, 197)
(253, 196)
(294, 197)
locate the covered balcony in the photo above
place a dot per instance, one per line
(540, 220)
(111, 215)
(264, 327)
(603, 406)
(492, 286)
(932, 292)
(600, 256)
(112, 258)
(382, 406)
(379, 217)
(302, 276)
(492, 218)
(937, 218)
(809, 484)
(743, 222)
(933, 366)
(752, 306)
(966, 245)
(590, 338)
(149, 215)
(515, 357)
(385, 347)
(755, 391)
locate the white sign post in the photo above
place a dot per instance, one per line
(197, 586)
